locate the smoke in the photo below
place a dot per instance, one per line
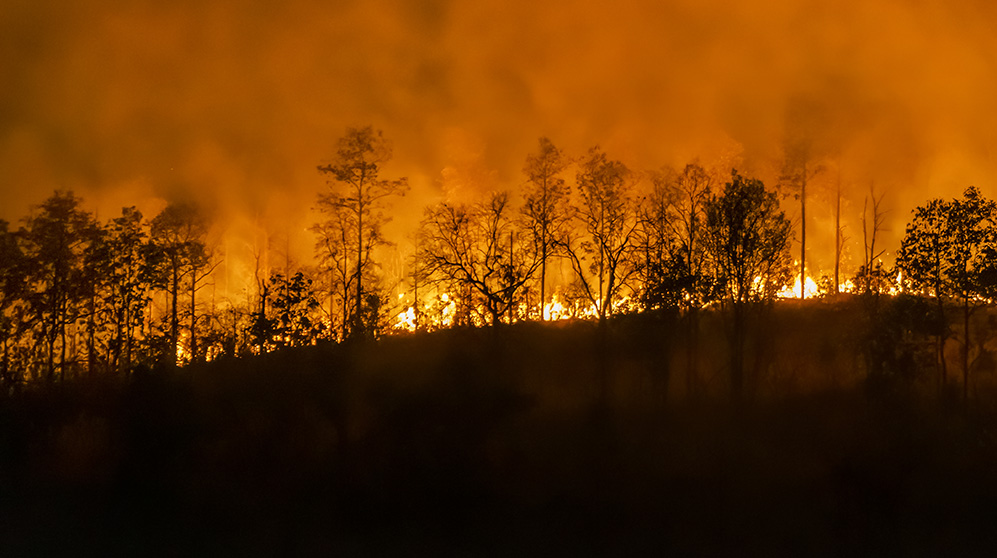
(233, 104)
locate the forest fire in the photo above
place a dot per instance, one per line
(793, 291)
(617, 243)
(554, 310)
(183, 355)
(485, 274)
(810, 123)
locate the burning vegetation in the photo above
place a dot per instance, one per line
(586, 238)
(558, 351)
(683, 277)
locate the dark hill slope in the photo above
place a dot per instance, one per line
(531, 440)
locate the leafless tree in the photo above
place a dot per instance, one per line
(479, 248)
(546, 211)
(607, 216)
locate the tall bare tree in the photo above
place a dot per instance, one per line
(359, 196)
(477, 248)
(546, 210)
(839, 235)
(799, 166)
(872, 276)
(607, 214)
(179, 254)
(334, 242)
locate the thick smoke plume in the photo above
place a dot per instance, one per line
(233, 104)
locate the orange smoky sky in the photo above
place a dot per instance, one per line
(233, 104)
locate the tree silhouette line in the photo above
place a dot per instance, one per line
(77, 295)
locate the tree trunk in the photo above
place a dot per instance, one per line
(50, 336)
(346, 315)
(62, 349)
(126, 363)
(837, 237)
(609, 290)
(543, 281)
(358, 311)
(332, 305)
(803, 235)
(174, 319)
(415, 294)
(511, 294)
(91, 342)
(192, 338)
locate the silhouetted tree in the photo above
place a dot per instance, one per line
(656, 257)
(228, 330)
(12, 291)
(358, 199)
(949, 251)
(289, 320)
(799, 167)
(417, 278)
(872, 276)
(600, 257)
(670, 239)
(178, 252)
(94, 283)
(334, 244)
(477, 248)
(128, 277)
(839, 236)
(54, 239)
(920, 261)
(673, 271)
(546, 211)
(747, 239)
(202, 264)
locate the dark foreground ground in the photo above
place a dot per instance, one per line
(479, 444)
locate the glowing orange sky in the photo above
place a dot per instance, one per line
(235, 103)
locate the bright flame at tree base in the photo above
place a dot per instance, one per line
(811, 290)
(440, 312)
(554, 310)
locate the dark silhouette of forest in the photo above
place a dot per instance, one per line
(685, 407)
(534, 439)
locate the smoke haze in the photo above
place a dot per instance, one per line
(234, 104)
